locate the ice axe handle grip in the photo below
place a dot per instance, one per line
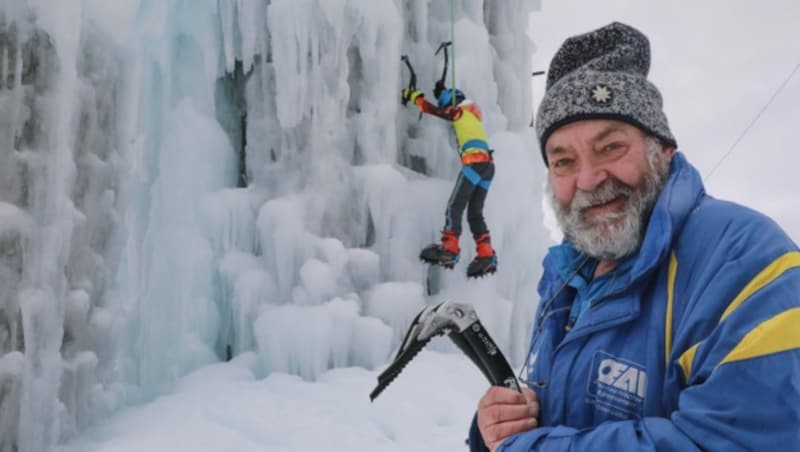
(493, 364)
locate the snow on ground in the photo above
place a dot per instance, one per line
(225, 407)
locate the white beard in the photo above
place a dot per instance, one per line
(613, 235)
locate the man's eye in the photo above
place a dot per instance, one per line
(562, 163)
(612, 147)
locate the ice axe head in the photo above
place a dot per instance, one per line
(461, 323)
(444, 46)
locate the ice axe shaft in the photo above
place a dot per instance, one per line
(440, 86)
(412, 83)
(444, 46)
(476, 343)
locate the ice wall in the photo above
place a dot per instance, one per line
(183, 181)
(61, 172)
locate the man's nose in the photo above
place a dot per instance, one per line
(590, 176)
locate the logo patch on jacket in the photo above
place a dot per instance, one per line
(617, 386)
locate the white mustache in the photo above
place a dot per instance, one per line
(606, 192)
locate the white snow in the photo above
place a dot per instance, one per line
(228, 407)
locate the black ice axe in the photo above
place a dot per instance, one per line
(460, 322)
(412, 82)
(439, 87)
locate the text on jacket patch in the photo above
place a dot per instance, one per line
(617, 386)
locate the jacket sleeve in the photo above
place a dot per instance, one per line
(647, 434)
(447, 113)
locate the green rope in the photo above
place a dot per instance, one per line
(453, 40)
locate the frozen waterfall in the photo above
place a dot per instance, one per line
(185, 181)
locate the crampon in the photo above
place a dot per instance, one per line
(435, 254)
(481, 266)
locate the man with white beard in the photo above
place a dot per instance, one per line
(668, 320)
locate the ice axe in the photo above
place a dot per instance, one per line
(439, 87)
(460, 322)
(412, 82)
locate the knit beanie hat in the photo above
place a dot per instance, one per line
(602, 75)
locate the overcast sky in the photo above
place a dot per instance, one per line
(717, 64)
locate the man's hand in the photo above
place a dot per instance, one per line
(411, 95)
(503, 412)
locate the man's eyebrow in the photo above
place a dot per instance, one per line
(605, 133)
(597, 137)
(556, 150)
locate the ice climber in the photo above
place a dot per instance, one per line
(472, 184)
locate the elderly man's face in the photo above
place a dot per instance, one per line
(604, 177)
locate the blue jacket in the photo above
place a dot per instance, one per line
(695, 347)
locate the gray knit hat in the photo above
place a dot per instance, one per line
(602, 75)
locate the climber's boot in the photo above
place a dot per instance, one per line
(486, 260)
(444, 254)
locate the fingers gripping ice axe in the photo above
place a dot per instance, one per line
(460, 322)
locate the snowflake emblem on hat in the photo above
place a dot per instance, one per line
(602, 94)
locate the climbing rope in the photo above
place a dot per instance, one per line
(453, 40)
(752, 123)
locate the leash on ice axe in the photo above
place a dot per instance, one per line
(461, 323)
